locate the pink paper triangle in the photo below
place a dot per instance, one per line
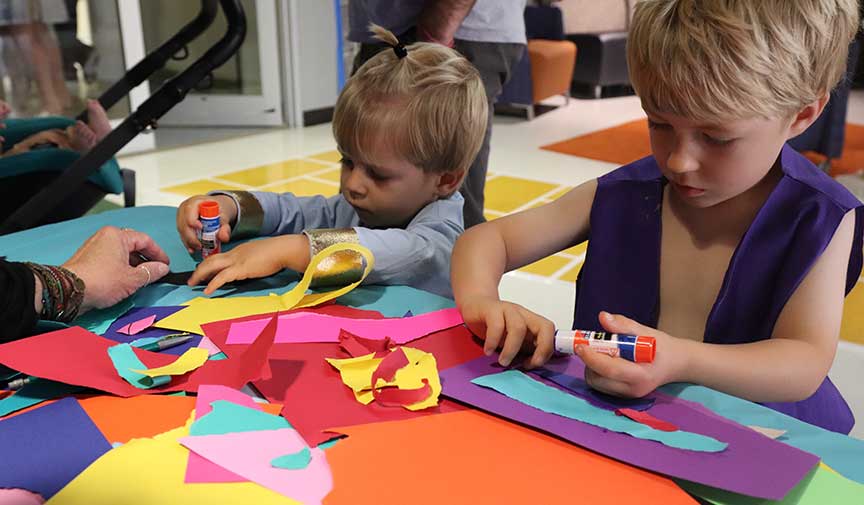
(138, 326)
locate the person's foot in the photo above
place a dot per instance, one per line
(98, 120)
(81, 137)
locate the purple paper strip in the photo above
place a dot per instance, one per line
(142, 312)
(753, 464)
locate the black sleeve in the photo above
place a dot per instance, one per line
(17, 314)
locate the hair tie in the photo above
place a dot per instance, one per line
(400, 50)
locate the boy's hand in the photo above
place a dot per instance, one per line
(188, 224)
(510, 327)
(619, 377)
(258, 258)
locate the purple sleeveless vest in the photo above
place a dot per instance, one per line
(622, 275)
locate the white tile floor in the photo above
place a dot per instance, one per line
(515, 152)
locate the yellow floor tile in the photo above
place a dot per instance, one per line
(577, 250)
(546, 267)
(506, 194)
(330, 156)
(570, 275)
(304, 187)
(333, 175)
(852, 329)
(200, 187)
(266, 174)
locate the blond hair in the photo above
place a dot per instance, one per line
(738, 59)
(428, 106)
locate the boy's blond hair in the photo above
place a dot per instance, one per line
(429, 107)
(714, 60)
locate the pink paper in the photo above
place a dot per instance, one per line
(249, 454)
(199, 469)
(305, 327)
(208, 344)
(140, 325)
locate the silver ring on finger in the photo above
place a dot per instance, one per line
(147, 271)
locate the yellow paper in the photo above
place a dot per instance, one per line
(357, 373)
(188, 361)
(149, 471)
(201, 311)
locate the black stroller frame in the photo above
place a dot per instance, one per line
(172, 92)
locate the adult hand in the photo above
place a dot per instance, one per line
(188, 224)
(111, 268)
(620, 377)
(511, 328)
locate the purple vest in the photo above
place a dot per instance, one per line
(790, 231)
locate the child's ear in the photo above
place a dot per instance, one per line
(449, 182)
(807, 116)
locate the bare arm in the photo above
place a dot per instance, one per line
(788, 367)
(440, 19)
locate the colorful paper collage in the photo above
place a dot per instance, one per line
(752, 464)
(136, 327)
(535, 394)
(469, 457)
(113, 332)
(205, 310)
(45, 448)
(78, 357)
(304, 327)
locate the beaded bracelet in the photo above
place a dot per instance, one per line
(62, 292)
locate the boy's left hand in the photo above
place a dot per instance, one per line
(620, 377)
(252, 260)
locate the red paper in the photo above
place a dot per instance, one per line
(76, 356)
(647, 419)
(389, 366)
(395, 397)
(359, 346)
(315, 397)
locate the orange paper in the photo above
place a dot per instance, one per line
(470, 457)
(122, 419)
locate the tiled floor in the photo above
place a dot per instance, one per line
(304, 161)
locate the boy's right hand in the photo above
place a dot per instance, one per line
(188, 224)
(510, 327)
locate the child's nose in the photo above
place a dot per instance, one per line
(354, 183)
(681, 159)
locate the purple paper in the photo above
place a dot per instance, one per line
(580, 388)
(142, 312)
(44, 449)
(753, 464)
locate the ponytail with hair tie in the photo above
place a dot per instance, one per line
(387, 37)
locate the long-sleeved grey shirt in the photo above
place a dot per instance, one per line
(417, 256)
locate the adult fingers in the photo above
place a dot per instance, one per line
(139, 242)
(152, 270)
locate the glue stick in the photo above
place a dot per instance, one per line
(208, 214)
(639, 349)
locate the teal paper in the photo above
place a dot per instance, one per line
(98, 321)
(218, 357)
(297, 461)
(528, 391)
(328, 444)
(144, 341)
(34, 393)
(840, 452)
(125, 361)
(228, 417)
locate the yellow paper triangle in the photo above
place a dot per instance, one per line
(190, 360)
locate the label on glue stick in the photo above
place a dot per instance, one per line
(630, 347)
(209, 243)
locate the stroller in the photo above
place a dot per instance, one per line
(50, 185)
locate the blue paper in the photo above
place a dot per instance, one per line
(125, 361)
(296, 461)
(34, 393)
(533, 393)
(592, 396)
(98, 321)
(228, 417)
(44, 449)
(843, 454)
(142, 312)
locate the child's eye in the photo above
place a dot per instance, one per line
(657, 126)
(715, 141)
(346, 162)
(375, 176)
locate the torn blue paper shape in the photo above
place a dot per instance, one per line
(125, 361)
(533, 393)
(228, 417)
(44, 449)
(581, 389)
(297, 461)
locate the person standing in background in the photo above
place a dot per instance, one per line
(489, 33)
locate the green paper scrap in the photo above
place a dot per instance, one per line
(296, 461)
(98, 321)
(34, 393)
(125, 361)
(820, 487)
(533, 393)
(228, 417)
(218, 356)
